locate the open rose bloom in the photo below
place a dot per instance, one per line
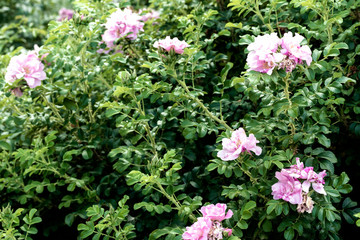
(65, 14)
(122, 23)
(216, 212)
(150, 14)
(294, 183)
(269, 52)
(209, 226)
(169, 44)
(238, 143)
(26, 66)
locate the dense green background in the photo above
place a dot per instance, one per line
(128, 125)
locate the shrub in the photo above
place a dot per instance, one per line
(143, 122)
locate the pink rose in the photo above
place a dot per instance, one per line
(122, 23)
(216, 212)
(28, 67)
(199, 230)
(288, 188)
(17, 92)
(65, 14)
(291, 47)
(151, 14)
(238, 143)
(167, 44)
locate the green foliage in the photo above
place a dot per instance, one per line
(107, 224)
(14, 226)
(124, 145)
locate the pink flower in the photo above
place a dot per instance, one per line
(268, 43)
(17, 92)
(123, 23)
(36, 51)
(298, 170)
(291, 47)
(307, 204)
(228, 231)
(216, 212)
(311, 178)
(199, 230)
(288, 188)
(28, 67)
(250, 145)
(237, 144)
(167, 44)
(265, 55)
(150, 14)
(263, 62)
(65, 14)
(316, 180)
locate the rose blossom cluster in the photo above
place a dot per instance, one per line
(209, 227)
(28, 67)
(65, 14)
(291, 189)
(122, 23)
(168, 44)
(269, 51)
(150, 14)
(238, 143)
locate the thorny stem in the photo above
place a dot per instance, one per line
(287, 95)
(206, 110)
(147, 127)
(16, 108)
(91, 116)
(239, 163)
(134, 51)
(173, 200)
(286, 89)
(258, 13)
(104, 81)
(53, 108)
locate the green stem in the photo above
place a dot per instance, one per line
(16, 109)
(208, 113)
(239, 163)
(53, 108)
(104, 81)
(287, 95)
(91, 116)
(258, 13)
(134, 51)
(173, 200)
(286, 89)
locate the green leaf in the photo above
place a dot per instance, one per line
(329, 156)
(225, 71)
(70, 104)
(68, 155)
(4, 145)
(87, 154)
(267, 226)
(224, 32)
(330, 215)
(289, 234)
(348, 203)
(249, 205)
(316, 54)
(323, 140)
(246, 215)
(327, 165)
(242, 224)
(341, 45)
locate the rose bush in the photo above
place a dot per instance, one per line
(182, 120)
